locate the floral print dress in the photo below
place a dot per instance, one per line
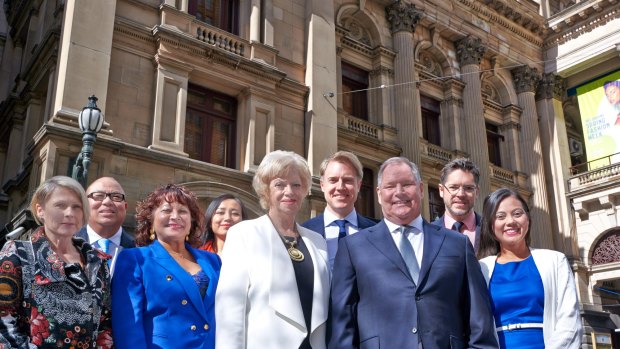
(46, 303)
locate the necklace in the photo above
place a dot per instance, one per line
(291, 247)
(178, 254)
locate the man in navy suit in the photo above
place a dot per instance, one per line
(459, 190)
(108, 209)
(341, 180)
(405, 283)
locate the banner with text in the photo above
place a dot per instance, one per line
(599, 105)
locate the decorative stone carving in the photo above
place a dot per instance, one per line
(402, 16)
(607, 250)
(550, 85)
(381, 71)
(429, 64)
(490, 91)
(357, 31)
(470, 50)
(525, 78)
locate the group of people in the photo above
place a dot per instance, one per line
(339, 280)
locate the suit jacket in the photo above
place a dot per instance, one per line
(157, 304)
(257, 304)
(376, 304)
(127, 241)
(318, 224)
(562, 327)
(440, 222)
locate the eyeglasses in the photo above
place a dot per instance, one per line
(454, 189)
(100, 196)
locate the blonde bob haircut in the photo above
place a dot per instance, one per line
(276, 164)
(47, 188)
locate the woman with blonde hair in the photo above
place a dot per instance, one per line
(55, 288)
(274, 284)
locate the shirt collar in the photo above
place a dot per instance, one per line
(469, 221)
(329, 218)
(93, 237)
(416, 223)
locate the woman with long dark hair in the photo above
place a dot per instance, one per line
(532, 291)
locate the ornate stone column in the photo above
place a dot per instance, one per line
(403, 18)
(550, 91)
(469, 52)
(525, 79)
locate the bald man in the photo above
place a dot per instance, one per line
(108, 209)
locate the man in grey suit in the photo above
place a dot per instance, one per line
(108, 209)
(405, 283)
(341, 180)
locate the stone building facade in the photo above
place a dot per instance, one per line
(197, 92)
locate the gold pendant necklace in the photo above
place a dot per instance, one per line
(293, 252)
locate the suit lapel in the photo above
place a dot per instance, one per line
(433, 238)
(284, 297)
(381, 238)
(163, 258)
(321, 285)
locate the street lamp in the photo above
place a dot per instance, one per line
(91, 121)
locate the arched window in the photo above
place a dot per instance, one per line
(607, 249)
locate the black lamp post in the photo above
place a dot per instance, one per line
(91, 121)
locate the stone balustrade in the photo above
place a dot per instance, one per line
(221, 39)
(502, 174)
(596, 176)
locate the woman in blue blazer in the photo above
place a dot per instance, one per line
(163, 293)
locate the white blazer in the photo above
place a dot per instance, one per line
(257, 303)
(561, 319)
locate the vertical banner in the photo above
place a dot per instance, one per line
(599, 106)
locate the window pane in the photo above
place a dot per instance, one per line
(430, 120)
(435, 203)
(354, 79)
(220, 138)
(365, 204)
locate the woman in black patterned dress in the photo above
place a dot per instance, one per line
(55, 289)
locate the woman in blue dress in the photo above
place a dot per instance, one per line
(532, 291)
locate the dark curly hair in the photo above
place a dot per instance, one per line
(169, 193)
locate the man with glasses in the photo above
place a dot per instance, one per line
(459, 190)
(108, 209)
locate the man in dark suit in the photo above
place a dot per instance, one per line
(108, 209)
(341, 179)
(459, 190)
(405, 283)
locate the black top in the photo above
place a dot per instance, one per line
(304, 276)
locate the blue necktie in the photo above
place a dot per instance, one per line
(406, 250)
(104, 245)
(457, 226)
(342, 228)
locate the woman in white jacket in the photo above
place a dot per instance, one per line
(273, 290)
(532, 291)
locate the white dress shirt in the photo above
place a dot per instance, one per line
(332, 230)
(416, 237)
(115, 244)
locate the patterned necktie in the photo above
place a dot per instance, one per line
(406, 250)
(457, 226)
(342, 228)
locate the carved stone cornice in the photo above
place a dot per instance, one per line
(525, 78)
(470, 50)
(510, 125)
(549, 86)
(402, 16)
(381, 71)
